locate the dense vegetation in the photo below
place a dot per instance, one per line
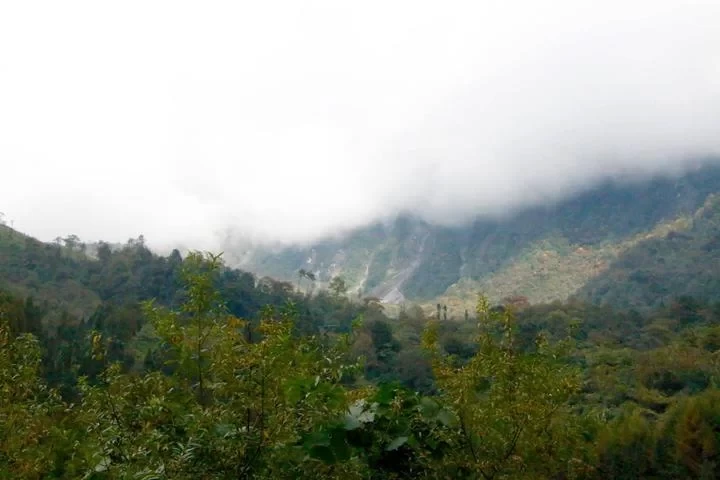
(684, 260)
(133, 365)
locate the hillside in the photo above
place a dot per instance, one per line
(682, 260)
(110, 391)
(228, 375)
(49, 273)
(73, 288)
(543, 253)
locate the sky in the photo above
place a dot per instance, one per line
(287, 120)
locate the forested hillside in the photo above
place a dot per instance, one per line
(359, 240)
(682, 260)
(64, 294)
(63, 278)
(165, 380)
(544, 253)
(117, 362)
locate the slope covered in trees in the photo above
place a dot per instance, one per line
(544, 253)
(63, 295)
(116, 362)
(683, 261)
(563, 390)
(66, 281)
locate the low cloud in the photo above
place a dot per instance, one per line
(290, 120)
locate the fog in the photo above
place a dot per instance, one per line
(282, 120)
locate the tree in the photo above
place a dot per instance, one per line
(235, 404)
(104, 252)
(71, 241)
(29, 437)
(301, 274)
(625, 446)
(511, 407)
(689, 444)
(337, 286)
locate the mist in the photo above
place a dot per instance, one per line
(286, 121)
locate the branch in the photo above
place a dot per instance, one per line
(469, 441)
(513, 443)
(116, 418)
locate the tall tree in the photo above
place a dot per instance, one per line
(511, 407)
(338, 286)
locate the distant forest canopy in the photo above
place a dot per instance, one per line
(127, 364)
(588, 246)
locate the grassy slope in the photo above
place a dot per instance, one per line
(678, 257)
(686, 262)
(551, 269)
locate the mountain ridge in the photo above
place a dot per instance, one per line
(569, 242)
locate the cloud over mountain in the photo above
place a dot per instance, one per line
(292, 119)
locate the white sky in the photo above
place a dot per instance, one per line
(287, 119)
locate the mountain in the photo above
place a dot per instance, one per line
(592, 245)
(76, 284)
(48, 272)
(87, 374)
(681, 259)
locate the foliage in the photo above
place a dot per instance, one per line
(29, 412)
(235, 399)
(234, 405)
(510, 406)
(179, 371)
(338, 286)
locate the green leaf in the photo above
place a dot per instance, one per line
(385, 393)
(397, 443)
(321, 438)
(429, 408)
(339, 446)
(359, 413)
(357, 408)
(103, 465)
(296, 389)
(351, 422)
(225, 429)
(323, 453)
(446, 417)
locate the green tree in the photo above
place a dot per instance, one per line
(511, 407)
(30, 437)
(626, 445)
(301, 274)
(71, 241)
(338, 286)
(689, 445)
(238, 402)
